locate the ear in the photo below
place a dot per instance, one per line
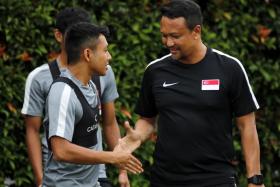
(87, 54)
(58, 35)
(197, 32)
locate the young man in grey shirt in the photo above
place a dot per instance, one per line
(73, 111)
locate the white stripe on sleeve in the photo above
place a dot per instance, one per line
(157, 60)
(63, 107)
(240, 64)
(28, 86)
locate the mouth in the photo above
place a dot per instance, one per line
(173, 50)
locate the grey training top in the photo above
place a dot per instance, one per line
(36, 89)
(63, 111)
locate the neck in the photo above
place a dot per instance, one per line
(80, 72)
(196, 55)
(63, 59)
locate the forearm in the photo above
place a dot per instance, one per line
(250, 143)
(35, 154)
(73, 153)
(112, 134)
(251, 151)
(144, 127)
(33, 142)
(110, 125)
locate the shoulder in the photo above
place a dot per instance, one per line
(39, 79)
(40, 76)
(37, 72)
(158, 62)
(61, 91)
(228, 61)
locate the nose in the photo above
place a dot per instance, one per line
(169, 42)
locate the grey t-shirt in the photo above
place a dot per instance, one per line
(63, 111)
(37, 87)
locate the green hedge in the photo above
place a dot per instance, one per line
(247, 29)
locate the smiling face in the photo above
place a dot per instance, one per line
(100, 56)
(178, 38)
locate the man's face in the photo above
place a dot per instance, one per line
(100, 56)
(177, 37)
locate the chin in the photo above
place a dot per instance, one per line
(175, 57)
(102, 73)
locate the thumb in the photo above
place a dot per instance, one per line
(127, 127)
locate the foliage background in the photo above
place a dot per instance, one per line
(246, 29)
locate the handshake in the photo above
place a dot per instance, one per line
(122, 151)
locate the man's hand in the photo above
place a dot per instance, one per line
(131, 141)
(126, 161)
(123, 179)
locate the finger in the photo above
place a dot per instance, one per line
(138, 168)
(135, 165)
(131, 169)
(136, 161)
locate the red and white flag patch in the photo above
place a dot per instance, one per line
(210, 84)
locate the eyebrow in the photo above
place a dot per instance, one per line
(172, 33)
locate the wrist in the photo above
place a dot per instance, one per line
(255, 179)
(111, 158)
(253, 173)
(122, 171)
(142, 137)
(39, 180)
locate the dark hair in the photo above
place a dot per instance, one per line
(80, 36)
(183, 8)
(70, 16)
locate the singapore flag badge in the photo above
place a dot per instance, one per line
(210, 84)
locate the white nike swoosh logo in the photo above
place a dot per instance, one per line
(171, 84)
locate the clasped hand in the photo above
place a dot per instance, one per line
(125, 147)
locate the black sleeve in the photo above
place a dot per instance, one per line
(146, 102)
(243, 100)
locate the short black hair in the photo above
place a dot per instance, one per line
(183, 8)
(70, 16)
(80, 36)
